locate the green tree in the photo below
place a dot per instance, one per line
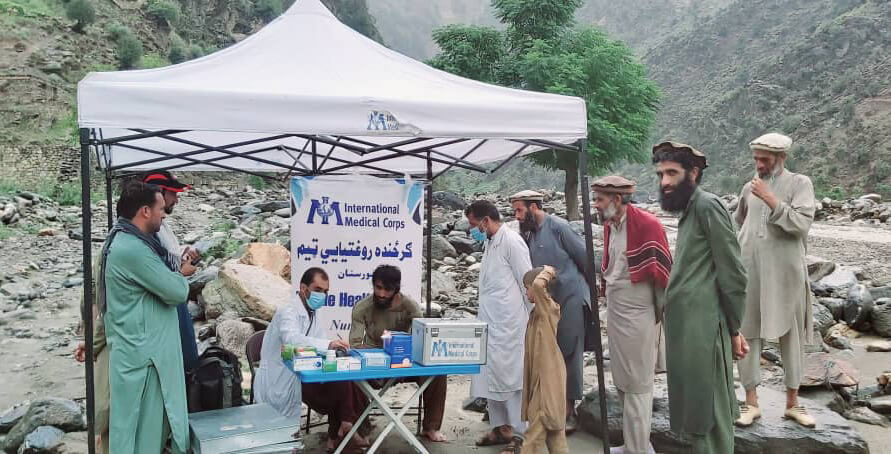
(540, 49)
(164, 11)
(129, 51)
(268, 9)
(177, 51)
(82, 12)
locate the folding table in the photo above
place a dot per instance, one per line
(376, 396)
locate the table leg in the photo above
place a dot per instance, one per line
(363, 384)
(396, 419)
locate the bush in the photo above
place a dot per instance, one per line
(164, 10)
(195, 51)
(116, 31)
(268, 9)
(153, 60)
(177, 53)
(82, 12)
(129, 51)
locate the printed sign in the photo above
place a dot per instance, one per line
(463, 349)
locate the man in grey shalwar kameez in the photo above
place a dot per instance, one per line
(552, 242)
(775, 212)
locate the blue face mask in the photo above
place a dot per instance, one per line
(478, 235)
(316, 300)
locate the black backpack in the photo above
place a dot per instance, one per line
(215, 382)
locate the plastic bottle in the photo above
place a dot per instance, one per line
(330, 364)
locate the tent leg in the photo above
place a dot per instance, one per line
(108, 178)
(87, 314)
(590, 274)
(429, 216)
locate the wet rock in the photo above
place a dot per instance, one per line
(837, 282)
(272, 206)
(463, 245)
(247, 290)
(441, 248)
(881, 317)
(234, 334)
(771, 434)
(836, 306)
(838, 341)
(11, 417)
(448, 200)
(44, 440)
(879, 346)
(822, 369)
(881, 404)
(823, 318)
(73, 282)
(283, 212)
(818, 268)
(52, 411)
(858, 306)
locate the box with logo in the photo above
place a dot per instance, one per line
(307, 363)
(397, 343)
(439, 341)
(372, 358)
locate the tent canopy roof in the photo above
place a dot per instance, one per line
(304, 81)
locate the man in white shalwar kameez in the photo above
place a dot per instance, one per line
(775, 212)
(502, 304)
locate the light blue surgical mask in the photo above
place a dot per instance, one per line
(316, 300)
(478, 235)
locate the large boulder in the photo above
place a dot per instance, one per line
(836, 283)
(835, 305)
(269, 256)
(199, 280)
(881, 317)
(448, 200)
(246, 290)
(818, 268)
(442, 284)
(771, 434)
(51, 411)
(234, 334)
(464, 245)
(11, 417)
(44, 440)
(822, 369)
(858, 306)
(823, 319)
(881, 404)
(441, 248)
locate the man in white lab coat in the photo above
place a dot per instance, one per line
(502, 304)
(297, 324)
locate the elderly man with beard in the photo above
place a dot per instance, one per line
(705, 302)
(553, 243)
(635, 271)
(775, 213)
(388, 309)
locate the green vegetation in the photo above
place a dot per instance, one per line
(129, 51)
(82, 12)
(224, 226)
(177, 52)
(257, 182)
(153, 60)
(6, 232)
(225, 248)
(541, 50)
(64, 193)
(164, 11)
(267, 10)
(31, 9)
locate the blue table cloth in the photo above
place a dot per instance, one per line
(417, 370)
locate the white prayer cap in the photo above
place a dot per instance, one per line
(773, 142)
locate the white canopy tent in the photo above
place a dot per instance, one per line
(308, 95)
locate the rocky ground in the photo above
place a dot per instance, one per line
(41, 284)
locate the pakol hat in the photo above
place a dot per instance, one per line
(527, 195)
(165, 180)
(682, 147)
(773, 142)
(613, 184)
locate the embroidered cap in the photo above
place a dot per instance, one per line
(527, 195)
(682, 147)
(613, 184)
(773, 142)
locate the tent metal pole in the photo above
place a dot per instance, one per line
(315, 159)
(591, 275)
(429, 216)
(87, 310)
(108, 178)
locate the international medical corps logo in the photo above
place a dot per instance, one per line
(324, 210)
(381, 120)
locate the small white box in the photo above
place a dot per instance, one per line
(343, 364)
(310, 363)
(355, 364)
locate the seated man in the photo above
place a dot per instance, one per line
(389, 309)
(296, 324)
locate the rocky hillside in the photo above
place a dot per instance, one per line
(42, 57)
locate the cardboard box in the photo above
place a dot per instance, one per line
(372, 358)
(308, 363)
(439, 341)
(400, 361)
(397, 343)
(355, 364)
(343, 364)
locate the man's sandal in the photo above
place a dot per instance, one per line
(514, 447)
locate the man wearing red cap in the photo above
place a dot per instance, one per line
(170, 189)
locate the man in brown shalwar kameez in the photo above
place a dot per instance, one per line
(775, 213)
(544, 373)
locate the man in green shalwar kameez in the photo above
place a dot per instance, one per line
(138, 294)
(705, 302)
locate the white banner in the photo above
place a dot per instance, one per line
(348, 226)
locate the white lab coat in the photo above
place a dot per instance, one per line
(503, 305)
(275, 384)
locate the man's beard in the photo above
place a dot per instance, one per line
(169, 209)
(384, 303)
(679, 198)
(528, 224)
(770, 173)
(610, 212)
